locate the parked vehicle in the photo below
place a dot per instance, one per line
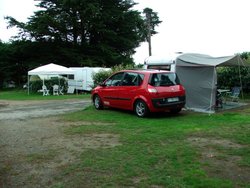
(161, 62)
(142, 91)
(82, 78)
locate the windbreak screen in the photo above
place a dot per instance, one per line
(200, 88)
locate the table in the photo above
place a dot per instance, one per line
(223, 93)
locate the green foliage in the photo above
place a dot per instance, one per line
(245, 56)
(120, 67)
(102, 75)
(229, 77)
(35, 86)
(151, 20)
(73, 33)
(99, 32)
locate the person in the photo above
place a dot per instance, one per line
(218, 100)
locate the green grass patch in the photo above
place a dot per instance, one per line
(23, 95)
(157, 152)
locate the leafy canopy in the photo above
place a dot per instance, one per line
(98, 32)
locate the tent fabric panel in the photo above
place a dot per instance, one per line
(199, 85)
(191, 59)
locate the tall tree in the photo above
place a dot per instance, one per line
(79, 33)
(101, 32)
(151, 21)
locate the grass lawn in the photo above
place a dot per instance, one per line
(21, 94)
(186, 150)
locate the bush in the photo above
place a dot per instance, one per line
(229, 77)
(102, 75)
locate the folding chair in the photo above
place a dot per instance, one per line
(45, 90)
(55, 90)
(234, 94)
(61, 90)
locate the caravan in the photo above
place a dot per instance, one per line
(82, 79)
(161, 62)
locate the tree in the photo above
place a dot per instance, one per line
(101, 32)
(77, 33)
(151, 21)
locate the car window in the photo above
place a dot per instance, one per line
(140, 79)
(160, 67)
(164, 79)
(132, 79)
(115, 80)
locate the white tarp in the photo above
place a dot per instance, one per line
(197, 73)
(51, 69)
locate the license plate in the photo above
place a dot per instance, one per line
(174, 99)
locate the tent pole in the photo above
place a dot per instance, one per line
(240, 77)
(212, 91)
(28, 85)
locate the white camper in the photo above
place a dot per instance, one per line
(83, 80)
(161, 62)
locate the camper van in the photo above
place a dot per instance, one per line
(82, 79)
(161, 62)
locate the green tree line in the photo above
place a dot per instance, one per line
(75, 33)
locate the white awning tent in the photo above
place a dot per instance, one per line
(197, 73)
(50, 70)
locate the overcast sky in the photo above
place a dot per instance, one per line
(213, 27)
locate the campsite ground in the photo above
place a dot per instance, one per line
(31, 133)
(90, 148)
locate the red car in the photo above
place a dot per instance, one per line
(142, 91)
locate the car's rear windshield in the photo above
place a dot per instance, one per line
(164, 79)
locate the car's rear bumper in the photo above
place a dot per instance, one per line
(165, 103)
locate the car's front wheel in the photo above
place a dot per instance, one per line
(98, 102)
(141, 108)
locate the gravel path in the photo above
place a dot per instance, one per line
(30, 109)
(32, 141)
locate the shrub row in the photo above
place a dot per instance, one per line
(229, 77)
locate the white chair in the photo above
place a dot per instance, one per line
(61, 90)
(55, 89)
(45, 90)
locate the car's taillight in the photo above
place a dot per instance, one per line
(152, 90)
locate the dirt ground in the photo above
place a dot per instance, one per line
(16, 110)
(33, 144)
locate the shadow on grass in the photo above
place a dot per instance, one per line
(152, 115)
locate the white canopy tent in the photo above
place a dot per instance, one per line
(197, 73)
(49, 70)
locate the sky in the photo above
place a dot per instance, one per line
(212, 27)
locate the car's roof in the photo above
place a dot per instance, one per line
(150, 71)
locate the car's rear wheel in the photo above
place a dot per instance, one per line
(141, 108)
(98, 102)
